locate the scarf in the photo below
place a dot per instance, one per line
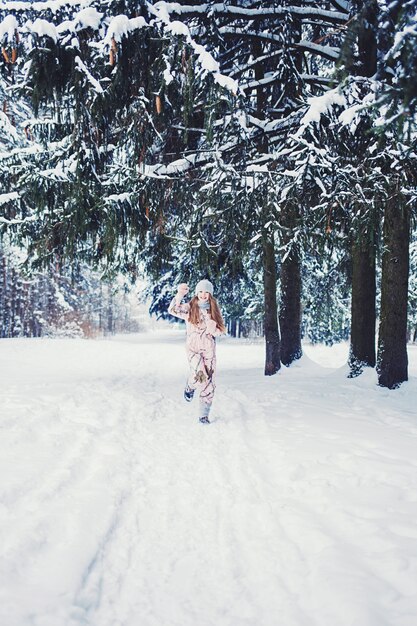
(204, 306)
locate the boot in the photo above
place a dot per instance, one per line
(188, 393)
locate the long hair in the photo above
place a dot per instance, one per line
(214, 310)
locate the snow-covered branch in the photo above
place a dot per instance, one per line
(276, 79)
(8, 197)
(84, 70)
(48, 5)
(327, 52)
(223, 10)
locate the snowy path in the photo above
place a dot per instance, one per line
(296, 507)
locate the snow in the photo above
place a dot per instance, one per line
(8, 27)
(328, 52)
(8, 197)
(168, 77)
(252, 181)
(348, 116)
(297, 505)
(401, 38)
(24, 220)
(212, 9)
(208, 63)
(60, 299)
(43, 28)
(84, 69)
(7, 126)
(163, 171)
(320, 105)
(226, 82)
(137, 23)
(180, 29)
(120, 26)
(88, 18)
(50, 5)
(118, 197)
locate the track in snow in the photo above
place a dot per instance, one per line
(296, 507)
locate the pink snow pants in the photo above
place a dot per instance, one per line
(202, 362)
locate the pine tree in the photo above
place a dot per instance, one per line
(146, 152)
(361, 61)
(397, 105)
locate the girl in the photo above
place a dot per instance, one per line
(204, 323)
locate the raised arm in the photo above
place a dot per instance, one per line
(176, 308)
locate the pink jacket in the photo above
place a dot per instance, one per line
(198, 337)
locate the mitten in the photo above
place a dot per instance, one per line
(182, 290)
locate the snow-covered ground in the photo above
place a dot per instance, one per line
(296, 507)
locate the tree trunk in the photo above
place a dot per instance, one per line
(290, 304)
(110, 312)
(392, 342)
(362, 338)
(232, 327)
(363, 308)
(2, 295)
(290, 309)
(272, 338)
(367, 42)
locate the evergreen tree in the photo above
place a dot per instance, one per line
(361, 61)
(175, 139)
(397, 105)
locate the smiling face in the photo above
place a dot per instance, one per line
(203, 296)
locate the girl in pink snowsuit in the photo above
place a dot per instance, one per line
(204, 323)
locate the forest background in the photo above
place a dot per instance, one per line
(268, 146)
